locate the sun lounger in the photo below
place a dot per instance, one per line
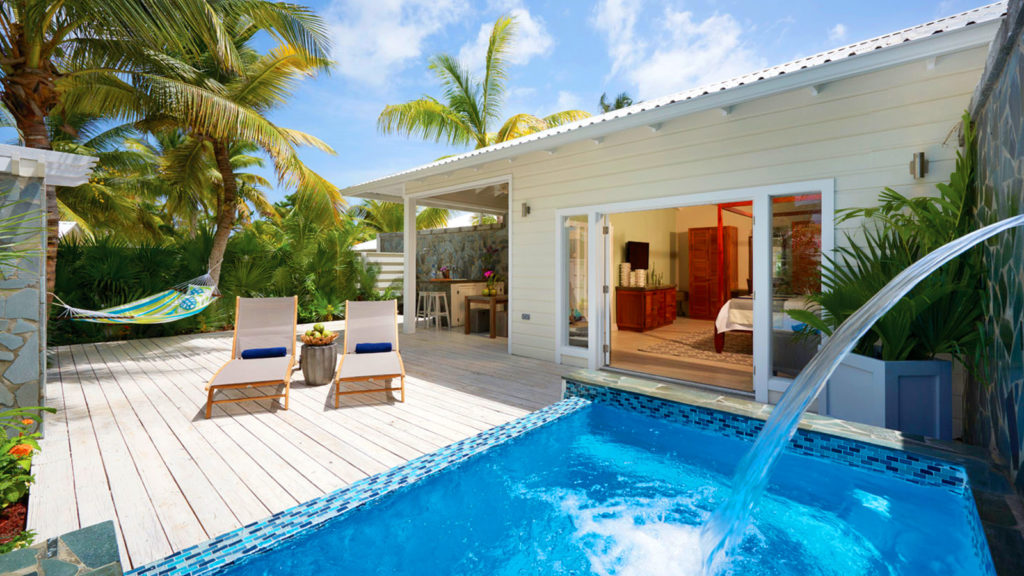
(262, 352)
(371, 348)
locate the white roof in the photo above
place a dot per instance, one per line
(867, 55)
(62, 169)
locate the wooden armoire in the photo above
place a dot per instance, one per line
(706, 298)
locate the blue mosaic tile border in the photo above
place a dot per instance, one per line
(894, 463)
(210, 556)
(978, 540)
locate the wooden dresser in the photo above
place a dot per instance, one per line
(705, 297)
(643, 309)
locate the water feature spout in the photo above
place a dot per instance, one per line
(725, 528)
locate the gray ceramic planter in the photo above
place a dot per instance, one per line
(319, 364)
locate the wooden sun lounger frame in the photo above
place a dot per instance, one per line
(388, 377)
(287, 381)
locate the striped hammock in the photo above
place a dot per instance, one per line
(181, 301)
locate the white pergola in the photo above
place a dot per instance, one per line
(489, 196)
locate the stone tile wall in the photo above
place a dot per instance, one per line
(464, 249)
(22, 300)
(90, 551)
(995, 407)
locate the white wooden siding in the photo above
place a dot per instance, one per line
(391, 270)
(861, 132)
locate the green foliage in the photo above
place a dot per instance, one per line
(623, 100)
(943, 312)
(296, 255)
(17, 446)
(470, 105)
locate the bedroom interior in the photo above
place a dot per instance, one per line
(682, 302)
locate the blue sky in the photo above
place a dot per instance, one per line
(567, 54)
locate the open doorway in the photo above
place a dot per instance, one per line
(675, 270)
(682, 306)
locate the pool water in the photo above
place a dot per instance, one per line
(607, 491)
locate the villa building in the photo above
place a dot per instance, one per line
(718, 193)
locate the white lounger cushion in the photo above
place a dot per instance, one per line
(370, 365)
(253, 371)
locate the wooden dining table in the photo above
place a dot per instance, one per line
(492, 303)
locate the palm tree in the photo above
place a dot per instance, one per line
(470, 104)
(221, 108)
(378, 216)
(48, 47)
(623, 100)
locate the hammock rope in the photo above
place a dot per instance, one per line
(181, 301)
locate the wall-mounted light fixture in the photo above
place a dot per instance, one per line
(526, 209)
(919, 165)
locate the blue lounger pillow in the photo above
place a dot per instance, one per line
(373, 347)
(252, 353)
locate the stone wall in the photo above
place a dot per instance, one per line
(995, 407)
(22, 299)
(463, 249)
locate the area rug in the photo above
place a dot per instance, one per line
(700, 345)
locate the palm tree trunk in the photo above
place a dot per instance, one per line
(37, 136)
(226, 210)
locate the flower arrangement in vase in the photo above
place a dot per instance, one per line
(445, 271)
(492, 278)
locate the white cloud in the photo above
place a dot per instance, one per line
(531, 39)
(837, 33)
(692, 53)
(375, 39)
(680, 52)
(616, 19)
(567, 101)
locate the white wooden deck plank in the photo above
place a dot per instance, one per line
(130, 503)
(177, 520)
(51, 509)
(271, 494)
(200, 495)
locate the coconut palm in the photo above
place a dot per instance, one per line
(623, 100)
(377, 216)
(470, 105)
(220, 107)
(51, 47)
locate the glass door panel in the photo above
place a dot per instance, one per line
(576, 286)
(796, 272)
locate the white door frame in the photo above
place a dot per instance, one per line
(762, 230)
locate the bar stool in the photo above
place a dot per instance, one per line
(422, 303)
(437, 308)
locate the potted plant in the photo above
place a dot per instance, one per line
(319, 355)
(893, 378)
(446, 272)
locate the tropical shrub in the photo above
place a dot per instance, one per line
(941, 315)
(17, 445)
(297, 255)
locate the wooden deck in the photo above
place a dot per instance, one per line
(129, 442)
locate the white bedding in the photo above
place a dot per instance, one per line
(738, 313)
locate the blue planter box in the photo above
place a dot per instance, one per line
(913, 396)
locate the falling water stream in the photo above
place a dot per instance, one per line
(724, 530)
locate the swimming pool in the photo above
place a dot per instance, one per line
(609, 482)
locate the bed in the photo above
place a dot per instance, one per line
(737, 315)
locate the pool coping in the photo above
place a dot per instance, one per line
(217, 553)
